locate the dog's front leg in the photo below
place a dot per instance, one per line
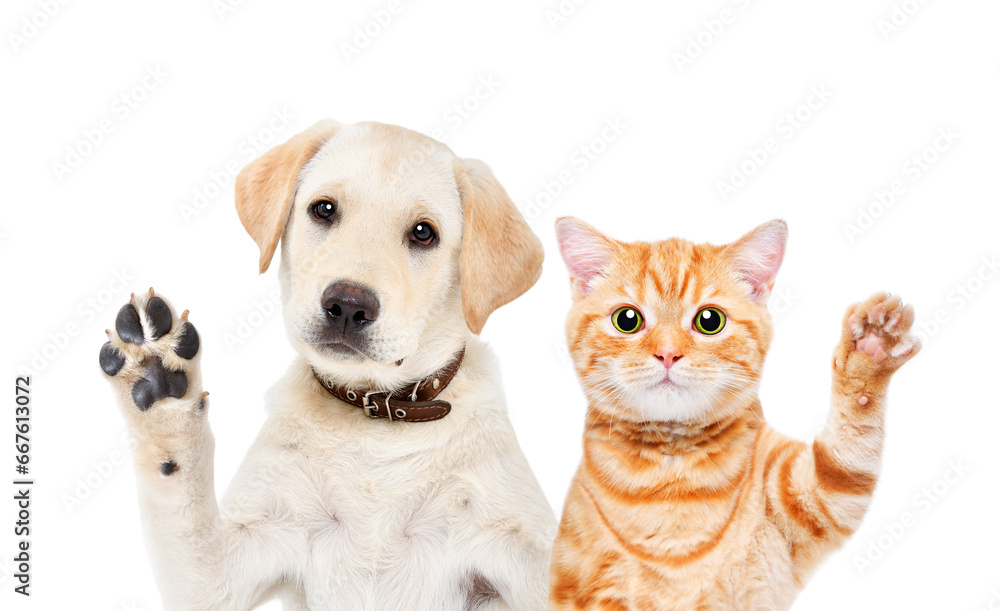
(152, 360)
(512, 533)
(511, 561)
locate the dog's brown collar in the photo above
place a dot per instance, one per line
(415, 404)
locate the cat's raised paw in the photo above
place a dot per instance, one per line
(879, 329)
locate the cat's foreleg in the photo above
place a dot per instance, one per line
(875, 342)
(824, 490)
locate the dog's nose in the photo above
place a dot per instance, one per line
(355, 304)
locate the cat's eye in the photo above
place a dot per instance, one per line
(627, 319)
(710, 320)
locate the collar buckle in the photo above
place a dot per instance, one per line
(370, 407)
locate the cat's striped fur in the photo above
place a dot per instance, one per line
(685, 498)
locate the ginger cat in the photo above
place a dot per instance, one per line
(685, 498)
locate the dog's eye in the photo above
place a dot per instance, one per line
(323, 209)
(423, 233)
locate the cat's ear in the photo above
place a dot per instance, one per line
(756, 257)
(587, 252)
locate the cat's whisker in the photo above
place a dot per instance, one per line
(740, 387)
(603, 385)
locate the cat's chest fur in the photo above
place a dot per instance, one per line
(698, 523)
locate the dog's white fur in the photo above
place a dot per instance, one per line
(332, 509)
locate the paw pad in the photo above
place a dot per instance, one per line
(879, 328)
(111, 359)
(160, 317)
(872, 346)
(129, 325)
(189, 342)
(141, 351)
(158, 383)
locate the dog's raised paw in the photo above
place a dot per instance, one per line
(150, 354)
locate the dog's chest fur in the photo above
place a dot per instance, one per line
(385, 513)
(378, 543)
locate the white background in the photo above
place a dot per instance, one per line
(64, 236)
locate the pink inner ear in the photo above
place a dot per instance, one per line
(757, 257)
(585, 251)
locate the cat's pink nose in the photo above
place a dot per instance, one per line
(668, 357)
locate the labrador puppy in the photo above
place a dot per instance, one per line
(387, 475)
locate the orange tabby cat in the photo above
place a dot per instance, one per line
(685, 498)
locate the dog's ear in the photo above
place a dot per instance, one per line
(501, 257)
(265, 188)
